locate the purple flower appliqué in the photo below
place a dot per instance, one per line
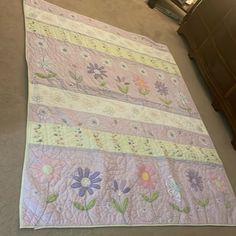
(86, 181)
(121, 187)
(161, 88)
(98, 72)
(195, 180)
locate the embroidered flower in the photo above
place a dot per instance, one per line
(218, 182)
(109, 110)
(46, 169)
(161, 88)
(195, 180)
(182, 99)
(143, 71)
(37, 99)
(174, 80)
(203, 140)
(58, 99)
(40, 43)
(98, 72)
(43, 112)
(122, 84)
(106, 62)
(120, 187)
(93, 121)
(135, 111)
(173, 189)
(140, 82)
(142, 85)
(171, 134)
(146, 176)
(64, 50)
(43, 63)
(123, 66)
(120, 79)
(160, 76)
(86, 181)
(85, 55)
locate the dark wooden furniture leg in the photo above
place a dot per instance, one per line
(190, 54)
(216, 106)
(152, 3)
(234, 142)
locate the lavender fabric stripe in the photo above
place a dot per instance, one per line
(163, 170)
(45, 114)
(78, 61)
(96, 23)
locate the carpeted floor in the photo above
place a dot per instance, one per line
(131, 15)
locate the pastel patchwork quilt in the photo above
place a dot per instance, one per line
(113, 136)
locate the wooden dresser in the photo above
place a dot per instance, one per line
(210, 31)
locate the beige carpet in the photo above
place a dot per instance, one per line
(131, 15)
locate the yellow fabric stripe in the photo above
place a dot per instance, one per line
(99, 45)
(79, 27)
(66, 136)
(86, 103)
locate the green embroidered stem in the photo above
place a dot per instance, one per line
(50, 199)
(120, 207)
(87, 209)
(165, 101)
(150, 199)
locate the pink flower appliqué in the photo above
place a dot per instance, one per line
(146, 176)
(141, 83)
(46, 170)
(218, 182)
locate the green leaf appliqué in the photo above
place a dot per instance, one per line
(91, 204)
(116, 205)
(144, 91)
(103, 84)
(73, 75)
(165, 101)
(152, 198)
(49, 75)
(145, 198)
(203, 203)
(125, 205)
(175, 207)
(228, 205)
(123, 89)
(52, 197)
(78, 206)
(185, 210)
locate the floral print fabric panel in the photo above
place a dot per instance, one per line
(113, 136)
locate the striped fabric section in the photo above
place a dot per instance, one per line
(97, 44)
(76, 101)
